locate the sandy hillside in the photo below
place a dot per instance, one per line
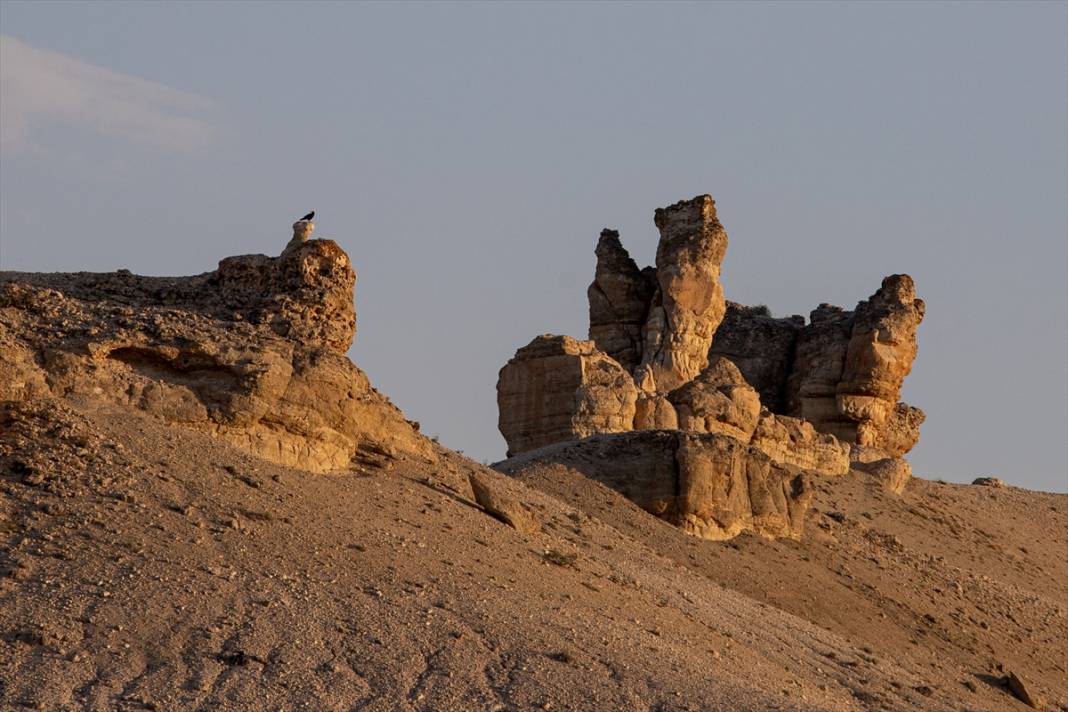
(152, 568)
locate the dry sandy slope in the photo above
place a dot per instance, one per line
(964, 582)
(151, 568)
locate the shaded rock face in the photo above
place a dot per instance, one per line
(252, 353)
(711, 486)
(762, 347)
(619, 301)
(688, 304)
(557, 388)
(818, 365)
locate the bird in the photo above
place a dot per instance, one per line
(309, 216)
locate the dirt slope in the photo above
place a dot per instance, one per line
(147, 567)
(964, 582)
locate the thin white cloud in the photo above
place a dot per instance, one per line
(39, 86)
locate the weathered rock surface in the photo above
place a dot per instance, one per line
(802, 394)
(882, 347)
(718, 401)
(762, 347)
(792, 441)
(688, 304)
(818, 363)
(619, 301)
(557, 388)
(711, 486)
(302, 232)
(891, 473)
(499, 505)
(1022, 691)
(252, 352)
(849, 368)
(654, 411)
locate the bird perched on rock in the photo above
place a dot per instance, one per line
(302, 230)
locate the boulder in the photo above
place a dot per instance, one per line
(654, 411)
(718, 401)
(900, 432)
(252, 352)
(891, 473)
(500, 506)
(791, 441)
(711, 486)
(762, 347)
(688, 304)
(557, 388)
(619, 301)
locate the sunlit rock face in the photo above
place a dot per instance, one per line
(557, 388)
(672, 354)
(688, 304)
(252, 352)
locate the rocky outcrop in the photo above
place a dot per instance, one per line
(762, 347)
(654, 411)
(882, 347)
(711, 486)
(619, 301)
(302, 232)
(557, 388)
(718, 401)
(688, 304)
(792, 441)
(252, 352)
(805, 395)
(849, 368)
(819, 361)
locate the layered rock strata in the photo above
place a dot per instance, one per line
(712, 486)
(557, 388)
(804, 394)
(253, 352)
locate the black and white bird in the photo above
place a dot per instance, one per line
(307, 217)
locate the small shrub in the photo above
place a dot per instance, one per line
(560, 558)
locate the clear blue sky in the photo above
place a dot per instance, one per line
(468, 155)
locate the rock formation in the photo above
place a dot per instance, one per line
(762, 347)
(253, 352)
(558, 388)
(717, 401)
(711, 486)
(619, 301)
(688, 304)
(794, 441)
(302, 232)
(672, 354)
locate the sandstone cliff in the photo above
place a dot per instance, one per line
(253, 352)
(672, 354)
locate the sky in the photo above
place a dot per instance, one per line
(467, 156)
